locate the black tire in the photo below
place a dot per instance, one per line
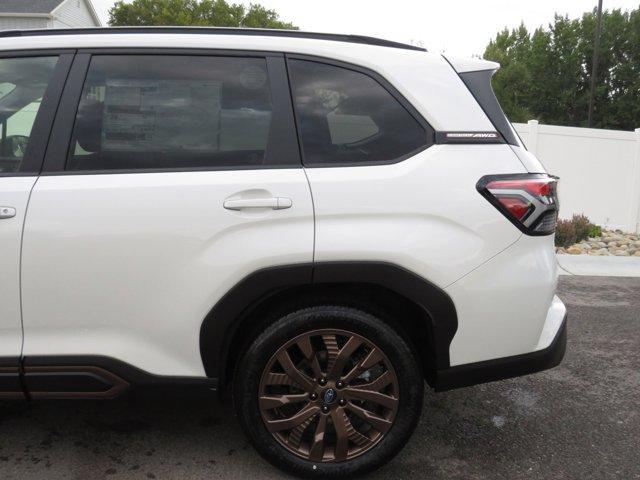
(251, 366)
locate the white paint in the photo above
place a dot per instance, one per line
(14, 193)
(552, 324)
(511, 322)
(599, 171)
(463, 65)
(129, 265)
(423, 214)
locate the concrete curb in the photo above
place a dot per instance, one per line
(593, 265)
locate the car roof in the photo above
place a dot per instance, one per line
(251, 32)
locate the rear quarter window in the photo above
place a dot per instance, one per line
(346, 117)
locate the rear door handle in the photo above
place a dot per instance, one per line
(275, 203)
(7, 212)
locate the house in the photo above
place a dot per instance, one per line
(28, 14)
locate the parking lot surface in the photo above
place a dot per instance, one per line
(580, 420)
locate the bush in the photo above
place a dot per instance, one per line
(595, 231)
(575, 230)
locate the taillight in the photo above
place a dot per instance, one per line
(529, 201)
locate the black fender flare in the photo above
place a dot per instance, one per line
(220, 324)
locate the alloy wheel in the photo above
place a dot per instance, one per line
(328, 395)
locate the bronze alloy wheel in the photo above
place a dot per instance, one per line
(328, 395)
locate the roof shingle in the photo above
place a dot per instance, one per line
(28, 6)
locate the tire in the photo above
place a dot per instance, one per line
(309, 433)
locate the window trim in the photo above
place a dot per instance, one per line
(386, 85)
(282, 133)
(33, 159)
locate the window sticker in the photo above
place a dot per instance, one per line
(253, 78)
(153, 115)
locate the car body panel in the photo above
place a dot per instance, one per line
(512, 322)
(128, 265)
(423, 214)
(14, 194)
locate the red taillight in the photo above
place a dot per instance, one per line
(529, 201)
(516, 206)
(535, 186)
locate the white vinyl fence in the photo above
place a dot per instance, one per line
(599, 171)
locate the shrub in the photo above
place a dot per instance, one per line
(575, 230)
(595, 231)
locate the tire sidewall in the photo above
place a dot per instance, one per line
(250, 369)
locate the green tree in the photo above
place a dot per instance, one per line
(199, 13)
(546, 74)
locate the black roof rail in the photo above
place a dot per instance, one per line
(214, 31)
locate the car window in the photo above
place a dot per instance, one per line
(23, 82)
(172, 112)
(347, 117)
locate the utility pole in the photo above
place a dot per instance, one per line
(594, 67)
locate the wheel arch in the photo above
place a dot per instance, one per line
(421, 311)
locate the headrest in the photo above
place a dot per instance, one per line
(88, 129)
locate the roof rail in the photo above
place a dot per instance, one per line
(214, 31)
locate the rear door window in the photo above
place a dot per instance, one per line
(347, 117)
(172, 112)
(23, 82)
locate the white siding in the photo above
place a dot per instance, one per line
(73, 13)
(22, 23)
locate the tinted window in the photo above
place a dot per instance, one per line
(151, 111)
(23, 82)
(347, 117)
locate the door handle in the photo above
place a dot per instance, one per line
(274, 203)
(7, 212)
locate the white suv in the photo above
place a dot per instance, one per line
(313, 223)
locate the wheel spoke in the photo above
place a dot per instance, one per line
(381, 424)
(375, 397)
(316, 452)
(354, 435)
(332, 349)
(296, 375)
(292, 422)
(295, 436)
(374, 357)
(343, 355)
(267, 402)
(278, 379)
(309, 353)
(340, 420)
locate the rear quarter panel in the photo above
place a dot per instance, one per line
(423, 214)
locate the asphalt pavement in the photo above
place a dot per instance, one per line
(580, 420)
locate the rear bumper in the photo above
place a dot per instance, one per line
(506, 367)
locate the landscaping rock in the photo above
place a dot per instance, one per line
(609, 243)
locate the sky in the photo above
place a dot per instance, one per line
(457, 27)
